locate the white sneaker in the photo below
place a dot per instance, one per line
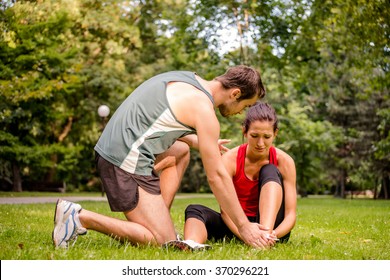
(178, 236)
(197, 246)
(186, 245)
(67, 225)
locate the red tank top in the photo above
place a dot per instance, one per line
(248, 190)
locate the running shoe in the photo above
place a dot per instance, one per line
(67, 224)
(178, 236)
(186, 245)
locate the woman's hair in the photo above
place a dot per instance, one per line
(260, 112)
(247, 79)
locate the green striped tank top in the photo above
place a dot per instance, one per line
(144, 126)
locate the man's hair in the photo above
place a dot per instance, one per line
(260, 112)
(247, 79)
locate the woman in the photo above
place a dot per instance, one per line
(265, 182)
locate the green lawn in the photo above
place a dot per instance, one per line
(326, 229)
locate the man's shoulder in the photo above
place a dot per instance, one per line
(176, 73)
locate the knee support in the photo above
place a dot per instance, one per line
(195, 211)
(269, 173)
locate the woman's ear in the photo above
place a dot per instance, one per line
(243, 131)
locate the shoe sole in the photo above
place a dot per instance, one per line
(182, 246)
(177, 244)
(58, 217)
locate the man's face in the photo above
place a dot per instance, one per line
(236, 107)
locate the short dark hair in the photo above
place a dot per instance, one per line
(246, 78)
(260, 112)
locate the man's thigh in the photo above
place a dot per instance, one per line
(152, 213)
(121, 187)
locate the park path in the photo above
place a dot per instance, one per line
(53, 199)
(47, 199)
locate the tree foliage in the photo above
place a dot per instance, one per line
(325, 65)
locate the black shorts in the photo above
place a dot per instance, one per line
(121, 187)
(215, 226)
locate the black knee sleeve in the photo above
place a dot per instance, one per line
(269, 172)
(195, 211)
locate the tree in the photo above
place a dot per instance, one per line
(59, 61)
(345, 61)
(324, 64)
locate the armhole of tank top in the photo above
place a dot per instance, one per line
(240, 161)
(201, 88)
(274, 156)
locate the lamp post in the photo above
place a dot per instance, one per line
(103, 112)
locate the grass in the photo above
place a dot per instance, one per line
(326, 229)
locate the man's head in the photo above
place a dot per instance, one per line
(246, 79)
(245, 87)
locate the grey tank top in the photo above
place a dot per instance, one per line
(144, 126)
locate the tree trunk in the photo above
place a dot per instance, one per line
(50, 175)
(340, 190)
(17, 179)
(385, 190)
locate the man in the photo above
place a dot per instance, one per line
(151, 132)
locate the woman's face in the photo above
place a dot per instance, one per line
(260, 136)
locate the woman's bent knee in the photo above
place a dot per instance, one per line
(195, 211)
(269, 173)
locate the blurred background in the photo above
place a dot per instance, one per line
(325, 65)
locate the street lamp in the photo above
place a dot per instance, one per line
(103, 112)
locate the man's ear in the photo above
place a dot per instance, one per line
(236, 93)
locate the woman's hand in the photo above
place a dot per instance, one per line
(268, 239)
(272, 238)
(221, 146)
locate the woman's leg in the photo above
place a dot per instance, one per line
(270, 197)
(195, 230)
(203, 223)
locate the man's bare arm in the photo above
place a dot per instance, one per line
(220, 182)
